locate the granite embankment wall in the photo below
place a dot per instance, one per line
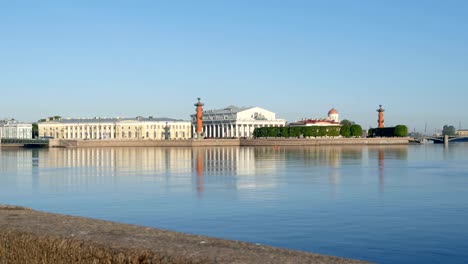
(28, 236)
(229, 142)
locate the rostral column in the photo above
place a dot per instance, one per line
(199, 119)
(381, 120)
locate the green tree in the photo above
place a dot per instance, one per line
(255, 132)
(448, 130)
(345, 131)
(323, 131)
(35, 130)
(355, 130)
(334, 131)
(346, 122)
(401, 131)
(284, 132)
(307, 131)
(295, 131)
(273, 132)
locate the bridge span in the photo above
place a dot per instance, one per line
(441, 139)
(19, 142)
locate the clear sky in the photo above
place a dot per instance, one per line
(296, 58)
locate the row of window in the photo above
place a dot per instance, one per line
(109, 128)
(95, 135)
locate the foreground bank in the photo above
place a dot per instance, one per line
(29, 236)
(229, 142)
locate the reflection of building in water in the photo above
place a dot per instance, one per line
(17, 161)
(117, 160)
(383, 153)
(381, 169)
(238, 167)
(87, 166)
(330, 157)
(238, 160)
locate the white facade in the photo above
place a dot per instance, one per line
(15, 129)
(116, 128)
(236, 122)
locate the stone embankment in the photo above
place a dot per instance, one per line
(228, 142)
(323, 141)
(29, 236)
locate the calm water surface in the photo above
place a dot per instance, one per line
(397, 204)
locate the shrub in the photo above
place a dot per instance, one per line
(345, 131)
(401, 131)
(356, 130)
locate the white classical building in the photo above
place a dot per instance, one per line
(138, 128)
(235, 121)
(15, 129)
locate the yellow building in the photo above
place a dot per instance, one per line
(139, 128)
(462, 132)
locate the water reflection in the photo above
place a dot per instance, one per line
(235, 167)
(389, 153)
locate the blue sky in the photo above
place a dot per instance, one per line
(296, 58)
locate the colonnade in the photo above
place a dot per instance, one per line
(231, 129)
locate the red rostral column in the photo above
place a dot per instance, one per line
(199, 118)
(381, 120)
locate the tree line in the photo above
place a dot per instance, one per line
(396, 131)
(309, 131)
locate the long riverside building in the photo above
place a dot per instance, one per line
(235, 121)
(138, 128)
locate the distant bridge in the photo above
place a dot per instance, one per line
(36, 142)
(441, 139)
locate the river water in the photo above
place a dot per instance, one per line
(386, 204)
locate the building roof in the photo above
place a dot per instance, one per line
(111, 120)
(232, 109)
(315, 121)
(332, 111)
